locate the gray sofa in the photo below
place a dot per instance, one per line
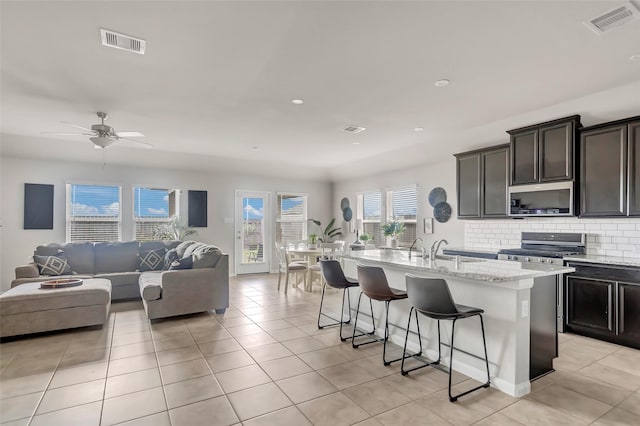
(202, 287)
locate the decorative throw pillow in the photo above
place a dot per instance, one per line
(53, 265)
(184, 263)
(152, 260)
(169, 258)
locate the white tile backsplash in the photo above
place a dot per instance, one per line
(609, 237)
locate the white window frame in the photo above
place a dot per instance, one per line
(360, 214)
(389, 210)
(135, 220)
(304, 222)
(69, 218)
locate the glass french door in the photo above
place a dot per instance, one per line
(252, 247)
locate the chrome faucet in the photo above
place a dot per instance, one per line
(435, 247)
(413, 244)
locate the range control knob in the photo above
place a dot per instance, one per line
(541, 259)
(527, 259)
(549, 260)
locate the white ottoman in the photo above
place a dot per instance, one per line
(29, 309)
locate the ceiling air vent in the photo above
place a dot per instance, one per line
(354, 129)
(122, 41)
(614, 18)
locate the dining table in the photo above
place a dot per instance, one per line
(311, 255)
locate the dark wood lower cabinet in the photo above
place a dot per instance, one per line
(603, 302)
(590, 304)
(629, 311)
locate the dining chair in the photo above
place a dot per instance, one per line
(258, 254)
(297, 245)
(288, 267)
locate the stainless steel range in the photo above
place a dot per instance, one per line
(545, 247)
(548, 247)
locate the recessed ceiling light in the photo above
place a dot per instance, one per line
(297, 101)
(354, 129)
(255, 148)
(355, 143)
(635, 57)
(418, 129)
(442, 83)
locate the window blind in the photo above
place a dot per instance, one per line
(371, 214)
(152, 207)
(93, 213)
(291, 218)
(403, 205)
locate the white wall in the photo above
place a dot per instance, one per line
(17, 244)
(427, 177)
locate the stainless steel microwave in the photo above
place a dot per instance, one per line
(544, 199)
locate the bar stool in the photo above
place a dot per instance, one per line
(334, 277)
(431, 297)
(328, 252)
(374, 284)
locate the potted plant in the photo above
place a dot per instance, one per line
(313, 240)
(174, 230)
(393, 229)
(329, 233)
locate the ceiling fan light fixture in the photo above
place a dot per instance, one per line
(102, 142)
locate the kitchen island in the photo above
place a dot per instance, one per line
(519, 300)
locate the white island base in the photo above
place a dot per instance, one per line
(503, 289)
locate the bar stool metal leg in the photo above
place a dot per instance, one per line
(355, 325)
(341, 321)
(454, 398)
(377, 340)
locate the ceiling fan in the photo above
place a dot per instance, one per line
(102, 135)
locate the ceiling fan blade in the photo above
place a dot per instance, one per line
(129, 135)
(143, 144)
(66, 134)
(76, 126)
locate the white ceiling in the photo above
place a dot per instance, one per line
(218, 78)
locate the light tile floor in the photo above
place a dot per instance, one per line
(264, 362)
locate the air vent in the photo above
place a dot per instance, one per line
(354, 129)
(122, 41)
(614, 18)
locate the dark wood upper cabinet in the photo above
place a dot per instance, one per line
(603, 162)
(544, 152)
(556, 152)
(610, 169)
(495, 177)
(482, 179)
(634, 168)
(524, 158)
(468, 179)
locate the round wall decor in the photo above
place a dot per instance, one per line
(344, 203)
(442, 212)
(347, 214)
(437, 195)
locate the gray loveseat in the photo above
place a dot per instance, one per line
(202, 287)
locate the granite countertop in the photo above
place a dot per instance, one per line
(606, 260)
(486, 270)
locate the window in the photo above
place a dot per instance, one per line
(402, 203)
(152, 207)
(291, 218)
(370, 211)
(93, 213)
